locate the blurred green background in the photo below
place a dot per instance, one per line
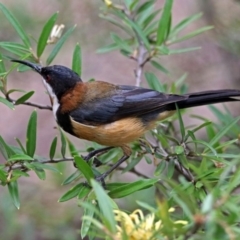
(215, 66)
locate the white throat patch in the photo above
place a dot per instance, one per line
(56, 104)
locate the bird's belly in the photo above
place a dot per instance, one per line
(117, 133)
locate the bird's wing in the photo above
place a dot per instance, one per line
(122, 102)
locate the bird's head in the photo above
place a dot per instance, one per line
(57, 79)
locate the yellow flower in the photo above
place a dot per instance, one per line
(136, 226)
(108, 3)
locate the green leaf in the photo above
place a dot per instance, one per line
(64, 143)
(153, 82)
(39, 165)
(5, 149)
(84, 168)
(170, 168)
(181, 124)
(184, 23)
(31, 137)
(2, 66)
(86, 224)
(72, 178)
(146, 5)
(24, 98)
(160, 168)
(77, 60)
(84, 191)
(46, 31)
(164, 23)
(206, 145)
(149, 19)
(21, 146)
(118, 24)
(183, 50)
(179, 150)
(13, 45)
(137, 30)
(159, 67)
(6, 102)
(72, 193)
(59, 44)
(3, 176)
(222, 133)
(16, 51)
(72, 148)
(16, 25)
(121, 43)
(108, 48)
(208, 204)
(40, 173)
(13, 190)
(53, 148)
(192, 34)
(105, 206)
(17, 157)
(130, 188)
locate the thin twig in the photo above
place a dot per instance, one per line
(45, 107)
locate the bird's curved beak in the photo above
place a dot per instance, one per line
(36, 67)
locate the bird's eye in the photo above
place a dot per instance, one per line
(48, 78)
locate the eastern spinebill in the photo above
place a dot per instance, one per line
(114, 115)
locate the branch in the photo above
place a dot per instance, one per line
(141, 61)
(45, 107)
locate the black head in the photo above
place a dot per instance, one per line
(59, 78)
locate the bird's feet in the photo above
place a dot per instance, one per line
(95, 153)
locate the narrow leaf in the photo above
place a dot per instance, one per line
(59, 44)
(2, 66)
(13, 190)
(3, 176)
(6, 102)
(182, 128)
(64, 143)
(17, 157)
(16, 25)
(53, 148)
(72, 193)
(21, 146)
(153, 82)
(222, 133)
(31, 137)
(77, 60)
(24, 98)
(108, 48)
(130, 188)
(39, 165)
(159, 67)
(105, 206)
(84, 191)
(192, 34)
(72, 178)
(86, 224)
(84, 168)
(5, 149)
(46, 31)
(183, 50)
(163, 26)
(184, 23)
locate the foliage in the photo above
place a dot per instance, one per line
(197, 177)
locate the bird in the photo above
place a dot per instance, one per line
(114, 115)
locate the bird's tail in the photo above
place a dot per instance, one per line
(208, 97)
